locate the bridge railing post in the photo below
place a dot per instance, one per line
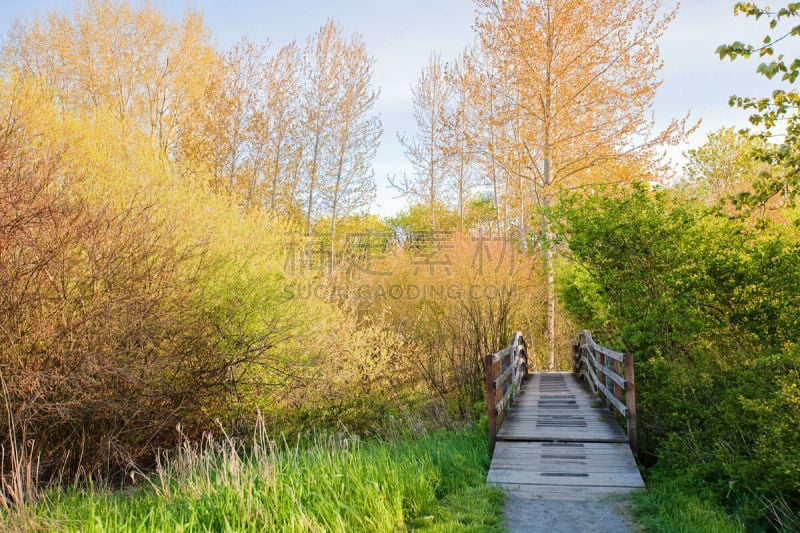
(505, 372)
(576, 347)
(601, 358)
(488, 365)
(630, 400)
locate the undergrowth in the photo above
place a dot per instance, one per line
(431, 483)
(671, 506)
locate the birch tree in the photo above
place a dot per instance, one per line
(321, 72)
(426, 149)
(351, 185)
(221, 142)
(278, 124)
(94, 61)
(460, 125)
(582, 76)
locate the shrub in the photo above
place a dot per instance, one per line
(452, 298)
(709, 306)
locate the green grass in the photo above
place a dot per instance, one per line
(431, 483)
(669, 506)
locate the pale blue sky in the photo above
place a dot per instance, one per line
(401, 35)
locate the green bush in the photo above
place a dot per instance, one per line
(708, 304)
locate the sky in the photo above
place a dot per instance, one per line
(401, 36)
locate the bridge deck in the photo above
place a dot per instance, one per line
(558, 442)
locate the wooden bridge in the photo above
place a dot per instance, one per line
(557, 435)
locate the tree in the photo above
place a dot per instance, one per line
(461, 124)
(278, 125)
(580, 77)
(351, 185)
(724, 165)
(778, 114)
(224, 142)
(321, 72)
(94, 62)
(426, 150)
(484, 101)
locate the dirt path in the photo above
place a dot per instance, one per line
(527, 515)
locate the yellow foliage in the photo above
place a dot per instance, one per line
(452, 300)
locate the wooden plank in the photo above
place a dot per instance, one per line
(566, 466)
(587, 479)
(630, 400)
(512, 368)
(607, 393)
(558, 455)
(514, 451)
(566, 434)
(574, 438)
(507, 398)
(537, 424)
(563, 493)
(541, 447)
(541, 428)
(609, 372)
(502, 353)
(616, 356)
(546, 403)
(534, 413)
(600, 461)
(574, 466)
(488, 370)
(520, 458)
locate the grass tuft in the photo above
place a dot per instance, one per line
(431, 483)
(668, 506)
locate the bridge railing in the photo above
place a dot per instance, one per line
(505, 370)
(602, 368)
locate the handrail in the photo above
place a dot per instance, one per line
(505, 370)
(600, 367)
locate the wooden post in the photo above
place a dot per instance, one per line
(575, 348)
(630, 401)
(488, 366)
(601, 359)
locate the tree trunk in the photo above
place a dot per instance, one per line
(312, 183)
(333, 241)
(461, 196)
(433, 196)
(276, 168)
(548, 200)
(334, 207)
(523, 229)
(549, 272)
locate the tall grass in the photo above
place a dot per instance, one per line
(339, 483)
(668, 506)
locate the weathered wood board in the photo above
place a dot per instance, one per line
(558, 442)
